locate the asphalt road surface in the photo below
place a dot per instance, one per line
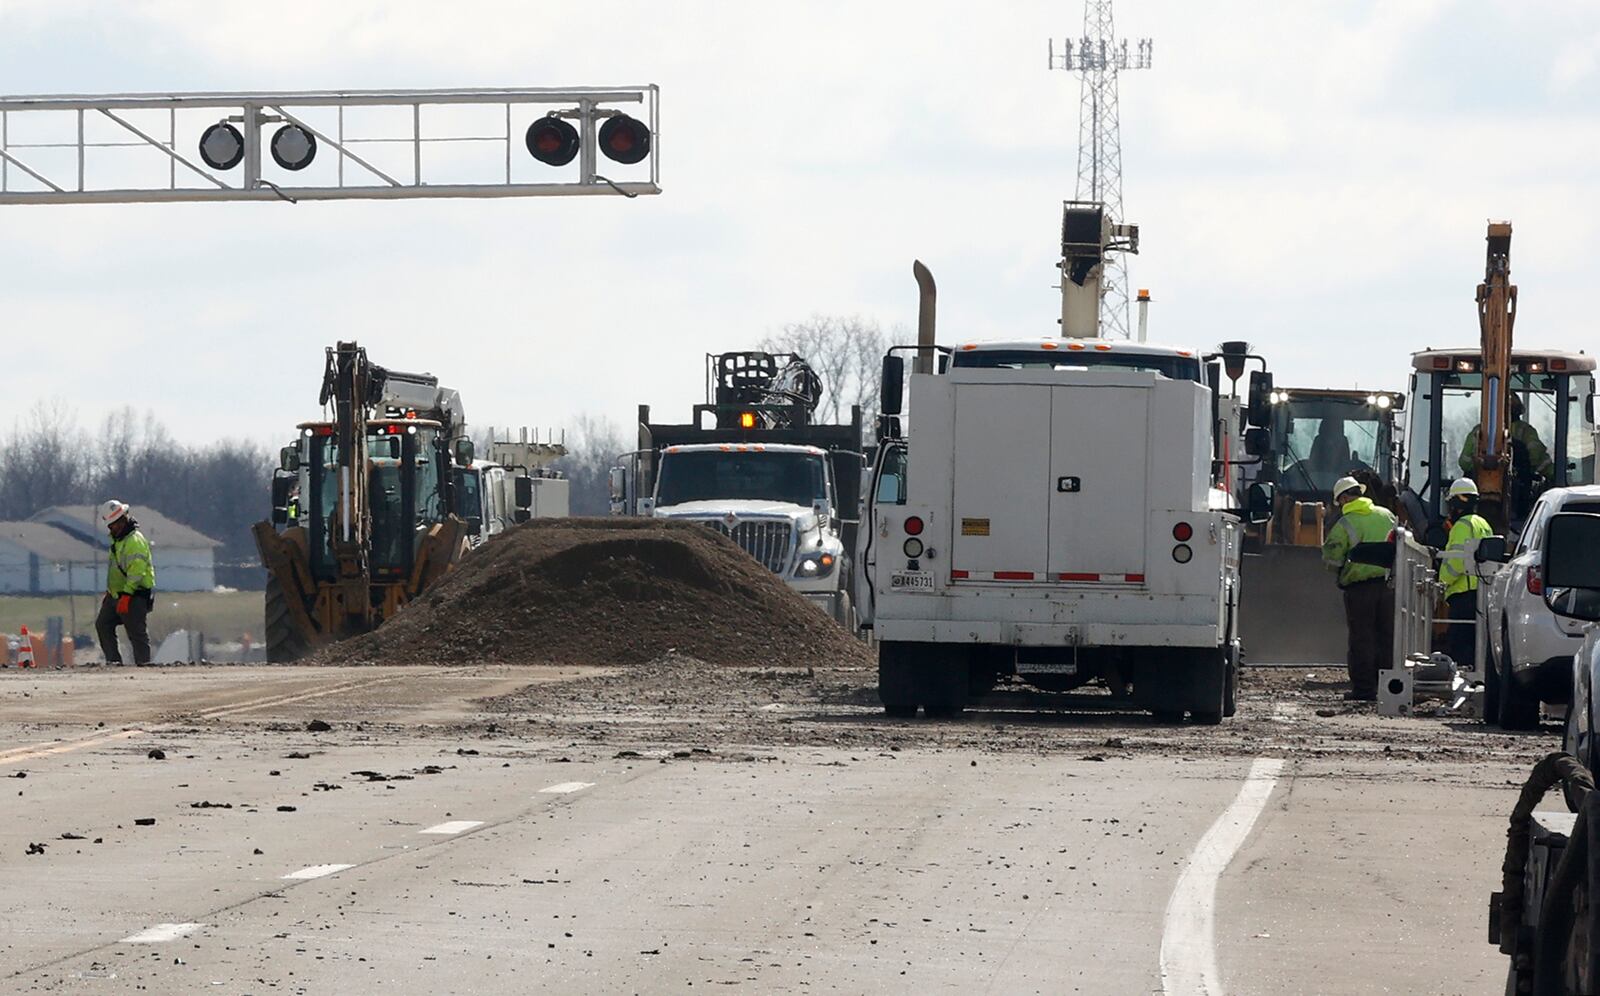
(669, 829)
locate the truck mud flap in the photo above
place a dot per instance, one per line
(1290, 608)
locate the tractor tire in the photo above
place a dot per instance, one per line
(285, 643)
(1519, 710)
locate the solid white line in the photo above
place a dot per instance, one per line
(317, 871)
(454, 826)
(1188, 933)
(162, 932)
(564, 787)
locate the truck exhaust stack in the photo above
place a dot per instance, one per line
(927, 303)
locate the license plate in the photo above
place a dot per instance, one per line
(910, 581)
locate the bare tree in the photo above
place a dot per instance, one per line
(846, 353)
(44, 461)
(593, 445)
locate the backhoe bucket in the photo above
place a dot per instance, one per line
(1291, 610)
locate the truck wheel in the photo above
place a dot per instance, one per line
(946, 681)
(285, 643)
(844, 612)
(1519, 710)
(896, 685)
(1212, 670)
(1230, 691)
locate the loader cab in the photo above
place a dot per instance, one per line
(408, 485)
(1317, 436)
(1556, 390)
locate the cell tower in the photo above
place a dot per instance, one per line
(1098, 57)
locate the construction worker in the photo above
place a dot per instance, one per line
(130, 586)
(1529, 456)
(1455, 573)
(1368, 603)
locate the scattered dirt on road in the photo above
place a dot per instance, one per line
(607, 592)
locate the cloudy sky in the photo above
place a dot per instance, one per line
(1311, 176)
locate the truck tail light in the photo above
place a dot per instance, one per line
(1535, 581)
(1182, 532)
(913, 525)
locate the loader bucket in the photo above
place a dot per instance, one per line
(1290, 609)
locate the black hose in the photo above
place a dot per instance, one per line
(1548, 773)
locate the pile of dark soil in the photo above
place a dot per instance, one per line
(606, 591)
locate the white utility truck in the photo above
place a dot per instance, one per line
(755, 467)
(1049, 509)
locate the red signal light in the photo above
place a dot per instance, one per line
(624, 139)
(552, 141)
(1183, 532)
(914, 525)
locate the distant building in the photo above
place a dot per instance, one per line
(185, 559)
(39, 559)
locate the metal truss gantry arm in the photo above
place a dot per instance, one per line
(56, 128)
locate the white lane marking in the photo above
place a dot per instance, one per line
(565, 787)
(162, 932)
(454, 826)
(316, 871)
(18, 754)
(1188, 933)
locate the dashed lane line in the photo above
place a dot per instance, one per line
(161, 933)
(452, 827)
(565, 788)
(1188, 933)
(35, 751)
(315, 871)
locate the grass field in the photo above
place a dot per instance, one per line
(221, 616)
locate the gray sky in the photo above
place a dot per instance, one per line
(1314, 177)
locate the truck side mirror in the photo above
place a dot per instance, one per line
(1572, 565)
(289, 458)
(1258, 501)
(1257, 442)
(894, 383)
(282, 486)
(619, 484)
(464, 452)
(1260, 413)
(523, 497)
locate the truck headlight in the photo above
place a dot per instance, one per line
(815, 565)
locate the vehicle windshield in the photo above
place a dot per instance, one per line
(1170, 366)
(468, 494)
(1316, 441)
(713, 475)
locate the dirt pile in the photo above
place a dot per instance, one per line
(606, 591)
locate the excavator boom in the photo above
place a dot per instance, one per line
(1497, 314)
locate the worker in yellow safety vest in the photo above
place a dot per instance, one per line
(1455, 572)
(130, 586)
(1368, 602)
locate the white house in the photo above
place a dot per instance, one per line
(185, 559)
(38, 559)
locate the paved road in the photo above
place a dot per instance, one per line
(430, 848)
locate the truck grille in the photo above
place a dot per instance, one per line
(767, 541)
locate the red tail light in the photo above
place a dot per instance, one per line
(913, 525)
(1535, 581)
(1183, 532)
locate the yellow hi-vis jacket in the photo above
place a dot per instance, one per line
(1361, 522)
(1454, 571)
(130, 569)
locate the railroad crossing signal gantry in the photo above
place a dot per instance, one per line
(1099, 57)
(292, 146)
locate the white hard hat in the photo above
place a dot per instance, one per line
(1344, 484)
(1464, 486)
(112, 510)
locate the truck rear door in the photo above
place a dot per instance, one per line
(1002, 494)
(1098, 479)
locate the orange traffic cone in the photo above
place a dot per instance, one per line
(25, 652)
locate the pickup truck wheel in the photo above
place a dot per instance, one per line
(897, 688)
(1519, 710)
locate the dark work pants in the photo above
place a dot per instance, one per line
(106, 623)
(1369, 617)
(1462, 639)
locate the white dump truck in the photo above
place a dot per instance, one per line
(755, 467)
(1048, 508)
